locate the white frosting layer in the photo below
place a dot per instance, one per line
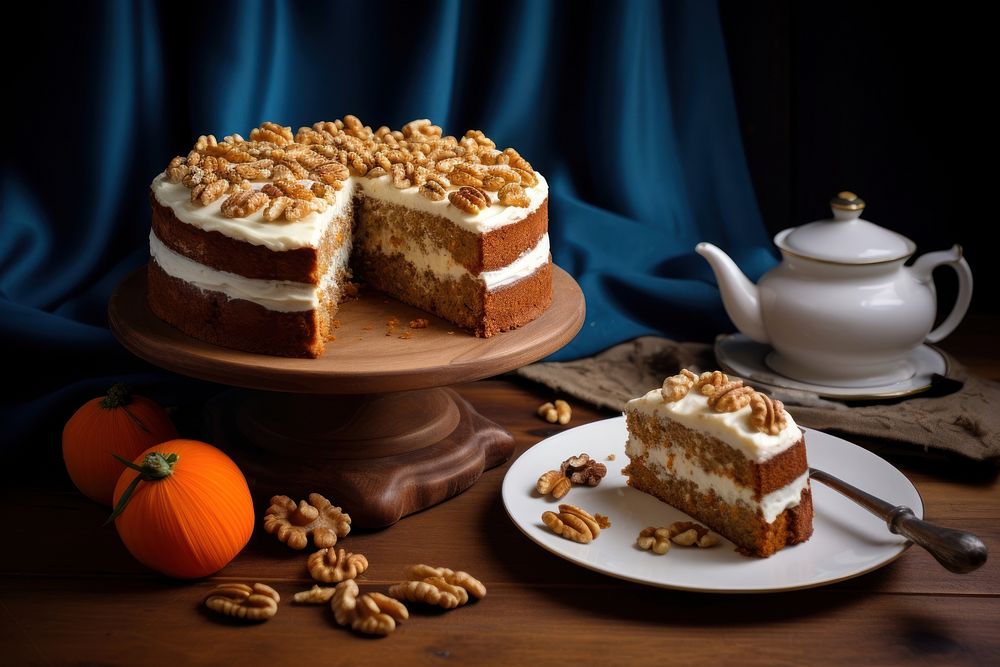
(279, 236)
(733, 428)
(276, 236)
(280, 295)
(683, 468)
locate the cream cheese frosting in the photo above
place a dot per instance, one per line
(281, 236)
(276, 236)
(734, 428)
(279, 295)
(284, 295)
(681, 467)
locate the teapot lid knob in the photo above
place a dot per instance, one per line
(847, 201)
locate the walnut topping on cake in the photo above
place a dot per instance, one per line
(767, 415)
(329, 152)
(728, 395)
(677, 386)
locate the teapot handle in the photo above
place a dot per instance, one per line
(953, 258)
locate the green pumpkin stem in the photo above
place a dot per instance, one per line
(120, 396)
(155, 466)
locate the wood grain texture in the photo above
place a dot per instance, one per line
(71, 594)
(366, 357)
(384, 457)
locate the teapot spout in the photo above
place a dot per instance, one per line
(739, 296)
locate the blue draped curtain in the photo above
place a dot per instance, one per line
(625, 107)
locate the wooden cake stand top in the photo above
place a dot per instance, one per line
(368, 355)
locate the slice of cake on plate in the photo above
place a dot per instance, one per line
(254, 242)
(727, 455)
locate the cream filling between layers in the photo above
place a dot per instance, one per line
(279, 236)
(443, 266)
(683, 468)
(732, 428)
(279, 295)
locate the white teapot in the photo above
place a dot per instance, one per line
(841, 309)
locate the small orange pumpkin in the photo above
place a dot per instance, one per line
(183, 509)
(120, 423)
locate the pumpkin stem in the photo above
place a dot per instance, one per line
(120, 396)
(155, 466)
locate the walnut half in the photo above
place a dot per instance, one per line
(253, 603)
(370, 614)
(294, 523)
(584, 470)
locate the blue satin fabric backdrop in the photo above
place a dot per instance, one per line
(626, 108)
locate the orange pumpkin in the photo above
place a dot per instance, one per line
(119, 423)
(183, 509)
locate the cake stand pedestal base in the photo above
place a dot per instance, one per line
(379, 456)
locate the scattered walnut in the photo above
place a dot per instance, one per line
(243, 203)
(654, 539)
(256, 603)
(434, 591)
(333, 565)
(602, 521)
(677, 386)
(371, 614)
(469, 199)
(688, 533)
(547, 411)
(767, 415)
(437, 586)
(584, 470)
(419, 323)
(315, 595)
(611, 457)
(553, 482)
(473, 586)
(573, 523)
(295, 523)
(513, 194)
(563, 412)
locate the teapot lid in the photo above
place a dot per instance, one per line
(845, 238)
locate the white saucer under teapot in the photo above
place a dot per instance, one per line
(841, 309)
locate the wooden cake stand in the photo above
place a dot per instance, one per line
(371, 424)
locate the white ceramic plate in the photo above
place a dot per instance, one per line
(741, 356)
(847, 541)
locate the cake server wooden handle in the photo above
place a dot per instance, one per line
(957, 550)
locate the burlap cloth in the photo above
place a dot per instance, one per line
(960, 413)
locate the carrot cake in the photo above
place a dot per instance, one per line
(255, 242)
(729, 456)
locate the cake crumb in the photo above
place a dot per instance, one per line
(419, 323)
(367, 327)
(451, 333)
(611, 457)
(406, 335)
(390, 326)
(334, 324)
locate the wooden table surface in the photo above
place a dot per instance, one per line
(71, 593)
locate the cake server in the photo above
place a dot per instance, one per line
(957, 550)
